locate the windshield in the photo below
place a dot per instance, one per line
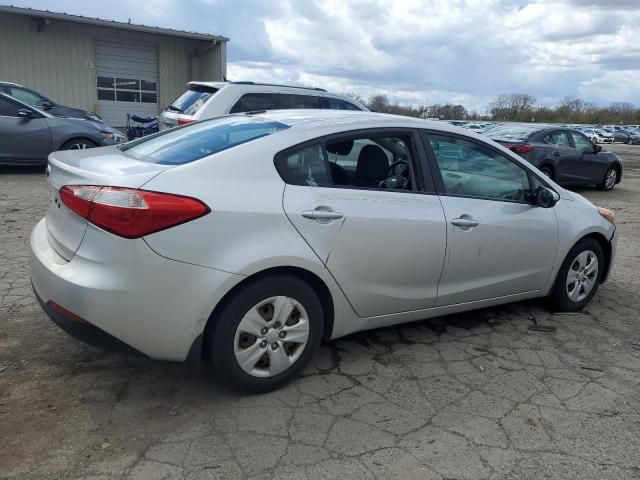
(184, 145)
(191, 100)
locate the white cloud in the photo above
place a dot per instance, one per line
(415, 51)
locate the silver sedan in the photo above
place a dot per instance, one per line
(248, 239)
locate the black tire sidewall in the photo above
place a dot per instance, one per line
(220, 342)
(603, 184)
(559, 294)
(547, 169)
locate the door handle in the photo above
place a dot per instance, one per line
(465, 222)
(322, 214)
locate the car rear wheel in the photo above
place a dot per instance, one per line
(266, 334)
(609, 180)
(579, 277)
(547, 171)
(78, 144)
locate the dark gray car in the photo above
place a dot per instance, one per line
(29, 135)
(563, 154)
(41, 102)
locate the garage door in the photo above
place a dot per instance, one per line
(127, 80)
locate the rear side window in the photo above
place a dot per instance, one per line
(557, 138)
(338, 104)
(253, 102)
(184, 145)
(8, 109)
(288, 101)
(192, 100)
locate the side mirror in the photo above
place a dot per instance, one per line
(546, 198)
(25, 113)
(46, 106)
(597, 148)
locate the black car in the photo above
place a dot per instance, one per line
(565, 155)
(35, 99)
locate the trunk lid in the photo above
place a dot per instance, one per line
(100, 166)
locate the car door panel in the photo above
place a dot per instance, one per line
(387, 249)
(498, 243)
(587, 167)
(22, 139)
(510, 251)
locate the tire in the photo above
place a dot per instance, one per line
(547, 171)
(564, 296)
(247, 326)
(609, 180)
(78, 144)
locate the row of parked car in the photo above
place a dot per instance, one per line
(32, 126)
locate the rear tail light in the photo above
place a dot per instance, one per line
(185, 121)
(519, 148)
(128, 212)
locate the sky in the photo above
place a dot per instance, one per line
(414, 51)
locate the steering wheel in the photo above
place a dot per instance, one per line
(393, 166)
(396, 182)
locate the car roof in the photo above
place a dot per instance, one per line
(277, 85)
(2, 82)
(351, 119)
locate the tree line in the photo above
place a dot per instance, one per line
(515, 107)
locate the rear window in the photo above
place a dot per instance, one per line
(191, 100)
(511, 134)
(183, 145)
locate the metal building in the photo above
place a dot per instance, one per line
(110, 68)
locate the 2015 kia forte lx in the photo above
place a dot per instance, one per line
(247, 239)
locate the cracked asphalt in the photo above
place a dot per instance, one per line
(512, 392)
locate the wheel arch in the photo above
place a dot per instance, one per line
(75, 138)
(197, 352)
(606, 249)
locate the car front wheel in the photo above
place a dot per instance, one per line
(78, 144)
(266, 334)
(579, 276)
(609, 180)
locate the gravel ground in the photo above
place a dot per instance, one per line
(473, 396)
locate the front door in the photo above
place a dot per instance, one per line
(587, 168)
(357, 203)
(498, 242)
(22, 139)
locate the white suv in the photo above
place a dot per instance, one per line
(210, 99)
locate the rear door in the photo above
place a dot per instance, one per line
(498, 242)
(587, 168)
(381, 231)
(22, 139)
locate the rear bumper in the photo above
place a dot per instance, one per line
(126, 291)
(83, 331)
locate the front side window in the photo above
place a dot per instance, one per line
(184, 145)
(255, 102)
(471, 170)
(27, 97)
(375, 162)
(557, 138)
(581, 141)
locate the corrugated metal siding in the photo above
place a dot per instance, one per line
(60, 60)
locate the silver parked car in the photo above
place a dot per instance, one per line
(246, 240)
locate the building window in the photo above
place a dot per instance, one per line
(127, 90)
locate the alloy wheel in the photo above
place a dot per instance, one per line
(611, 178)
(271, 336)
(79, 146)
(582, 276)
